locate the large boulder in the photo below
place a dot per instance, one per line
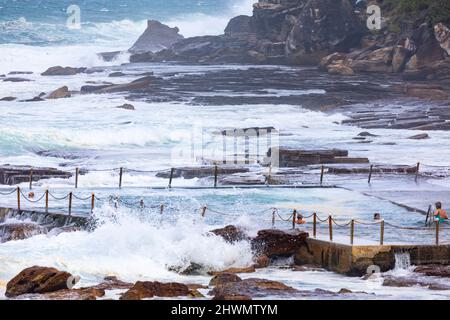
(276, 243)
(230, 234)
(63, 71)
(156, 37)
(144, 290)
(37, 280)
(323, 27)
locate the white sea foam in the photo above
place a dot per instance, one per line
(129, 246)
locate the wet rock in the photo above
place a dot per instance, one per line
(192, 269)
(367, 134)
(291, 158)
(94, 88)
(231, 234)
(113, 283)
(12, 175)
(94, 70)
(442, 271)
(406, 282)
(126, 106)
(138, 84)
(19, 231)
(195, 294)
(156, 37)
(345, 291)
(348, 291)
(307, 267)
(254, 288)
(8, 99)
(223, 278)
(422, 136)
(19, 72)
(60, 93)
(262, 261)
(116, 74)
(16, 79)
(276, 243)
(143, 290)
(37, 280)
(67, 294)
(63, 71)
(425, 91)
(234, 270)
(340, 69)
(35, 99)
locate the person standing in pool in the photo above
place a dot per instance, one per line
(440, 214)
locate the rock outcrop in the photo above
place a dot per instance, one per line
(156, 37)
(277, 243)
(414, 39)
(37, 280)
(63, 71)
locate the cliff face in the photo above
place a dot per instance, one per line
(415, 37)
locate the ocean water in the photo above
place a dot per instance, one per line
(39, 29)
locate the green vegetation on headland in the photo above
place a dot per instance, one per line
(430, 11)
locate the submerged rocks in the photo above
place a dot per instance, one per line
(16, 79)
(60, 93)
(63, 71)
(8, 99)
(19, 231)
(37, 280)
(277, 243)
(144, 290)
(156, 37)
(126, 106)
(250, 269)
(422, 136)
